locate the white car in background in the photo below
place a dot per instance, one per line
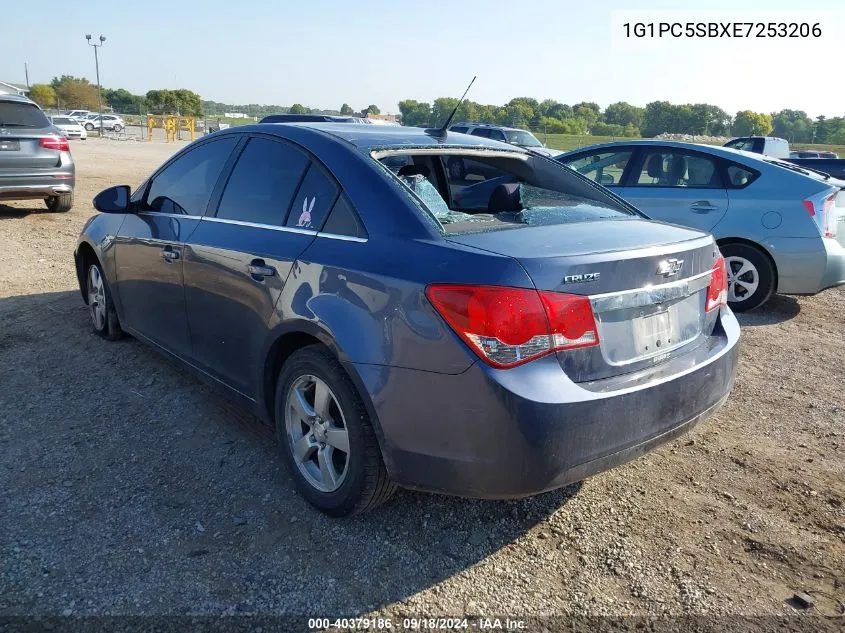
(77, 115)
(111, 122)
(69, 126)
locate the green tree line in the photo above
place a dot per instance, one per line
(76, 93)
(624, 119)
(549, 116)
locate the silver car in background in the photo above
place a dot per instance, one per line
(780, 227)
(35, 161)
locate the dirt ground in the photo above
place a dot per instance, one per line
(128, 487)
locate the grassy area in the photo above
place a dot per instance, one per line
(568, 142)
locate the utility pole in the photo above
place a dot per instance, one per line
(26, 73)
(97, 67)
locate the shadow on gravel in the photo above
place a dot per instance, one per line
(131, 487)
(778, 309)
(33, 207)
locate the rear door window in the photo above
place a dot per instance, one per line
(263, 183)
(677, 169)
(481, 131)
(313, 201)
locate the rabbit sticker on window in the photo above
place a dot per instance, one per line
(305, 217)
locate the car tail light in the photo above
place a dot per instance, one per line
(821, 213)
(717, 292)
(507, 327)
(55, 142)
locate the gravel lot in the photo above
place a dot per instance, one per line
(128, 487)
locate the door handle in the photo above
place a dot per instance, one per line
(259, 270)
(169, 255)
(702, 206)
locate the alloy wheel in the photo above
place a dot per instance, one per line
(317, 433)
(743, 279)
(97, 298)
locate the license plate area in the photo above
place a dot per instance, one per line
(9, 146)
(635, 334)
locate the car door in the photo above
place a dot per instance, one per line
(237, 261)
(149, 245)
(678, 186)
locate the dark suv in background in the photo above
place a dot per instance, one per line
(35, 161)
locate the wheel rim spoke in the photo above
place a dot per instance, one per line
(303, 449)
(300, 406)
(322, 399)
(327, 471)
(338, 438)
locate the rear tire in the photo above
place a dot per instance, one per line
(311, 438)
(751, 276)
(118, 127)
(89, 127)
(61, 203)
(100, 306)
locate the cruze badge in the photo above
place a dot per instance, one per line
(669, 267)
(577, 279)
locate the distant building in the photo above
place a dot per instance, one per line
(236, 115)
(8, 88)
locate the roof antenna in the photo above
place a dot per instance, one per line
(441, 132)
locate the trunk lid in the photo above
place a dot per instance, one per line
(647, 282)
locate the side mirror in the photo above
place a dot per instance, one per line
(606, 179)
(113, 200)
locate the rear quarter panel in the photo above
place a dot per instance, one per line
(368, 299)
(770, 213)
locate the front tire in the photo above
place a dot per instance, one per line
(103, 314)
(326, 437)
(60, 204)
(89, 127)
(751, 276)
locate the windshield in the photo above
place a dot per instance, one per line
(522, 138)
(487, 193)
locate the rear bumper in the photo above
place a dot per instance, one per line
(502, 434)
(31, 192)
(834, 272)
(30, 186)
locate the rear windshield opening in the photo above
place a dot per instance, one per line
(472, 192)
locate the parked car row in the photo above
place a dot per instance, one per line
(91, 120)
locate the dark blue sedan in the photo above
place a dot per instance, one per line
(323, 276)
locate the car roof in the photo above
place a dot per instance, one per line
(370, 137)
(17, 99)
(490, 125)
(718, 150)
